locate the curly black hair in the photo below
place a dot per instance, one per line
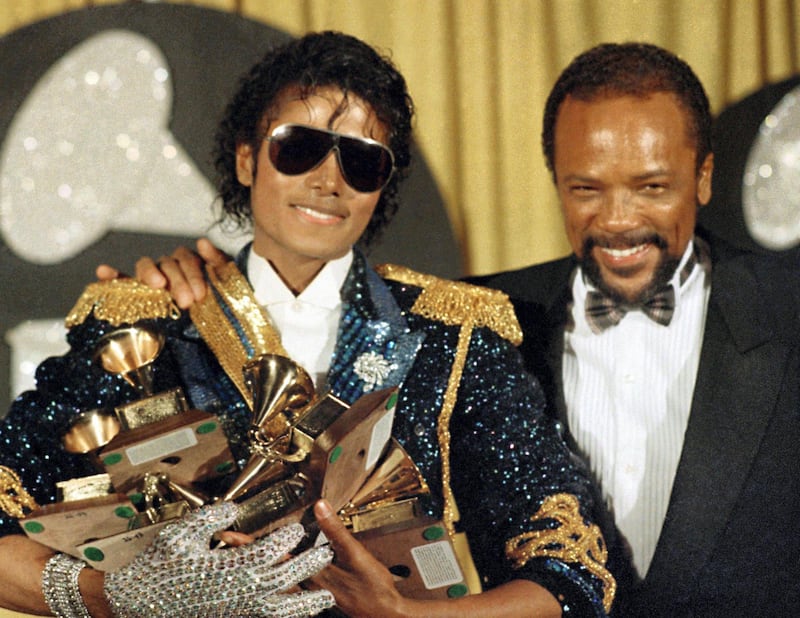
(314, 61)
(636, 69)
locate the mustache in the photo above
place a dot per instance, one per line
(622, 241)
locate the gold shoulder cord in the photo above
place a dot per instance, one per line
(121, 301)
(13, 497)
(468, 306)
(572, 541)
(235, 292)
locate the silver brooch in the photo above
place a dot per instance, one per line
(373, 369)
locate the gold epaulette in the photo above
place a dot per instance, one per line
(455, 302)
(122, 301)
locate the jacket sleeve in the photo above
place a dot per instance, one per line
(528, 497)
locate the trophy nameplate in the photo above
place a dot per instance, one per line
(151, 409)
(189, 447)
(281, 503)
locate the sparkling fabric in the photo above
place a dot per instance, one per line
(180, 575)
(506, 457)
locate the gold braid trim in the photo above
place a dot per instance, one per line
(450, 509)
(455, 302)
(122, 301)
(220, 335)
(572, 541)
(13, 497)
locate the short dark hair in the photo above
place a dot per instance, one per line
(635, 69)
(314, 61)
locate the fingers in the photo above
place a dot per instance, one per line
(148, 272)
(210, 254)
(181, 274)
(277, 544)
(343, 543)
(234, 539)
(193, 532)
(106, 272)
(295, 570)
(299, 604)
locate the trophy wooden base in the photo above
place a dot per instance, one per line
(420, 556)
(187, 447)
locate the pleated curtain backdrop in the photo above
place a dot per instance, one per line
(480, 70)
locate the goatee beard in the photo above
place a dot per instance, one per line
(661, 276)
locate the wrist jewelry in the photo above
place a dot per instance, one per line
(60, 587)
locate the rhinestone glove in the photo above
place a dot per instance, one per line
(180, 575)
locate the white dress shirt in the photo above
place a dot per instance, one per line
(307, 323)
(628, 394)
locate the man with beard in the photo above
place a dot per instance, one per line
(671, 358)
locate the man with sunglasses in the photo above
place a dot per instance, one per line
(310, 153)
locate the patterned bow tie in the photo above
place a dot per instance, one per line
(602, 312)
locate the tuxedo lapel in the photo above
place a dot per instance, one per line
(741, 366)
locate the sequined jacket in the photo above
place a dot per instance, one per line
(468, 414)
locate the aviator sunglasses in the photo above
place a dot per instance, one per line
(366, 165)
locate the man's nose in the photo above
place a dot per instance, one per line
(617, 210)
(327, 176)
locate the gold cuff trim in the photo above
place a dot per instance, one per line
(13, 497)
(122, 301)
(235, 292)
(572, 541)
(455, 302)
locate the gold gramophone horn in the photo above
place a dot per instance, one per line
(281, 389)
(129, 353)
(90, 431)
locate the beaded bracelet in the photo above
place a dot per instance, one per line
(60, 587)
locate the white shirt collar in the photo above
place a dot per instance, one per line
(323, 291)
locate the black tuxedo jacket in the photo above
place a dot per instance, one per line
(730, 545)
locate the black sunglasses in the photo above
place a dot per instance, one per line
(366, 165)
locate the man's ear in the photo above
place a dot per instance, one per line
(704, 175)
(244, 164)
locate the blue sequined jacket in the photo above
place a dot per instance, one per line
(522, 500)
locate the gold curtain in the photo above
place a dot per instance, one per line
(480, 70)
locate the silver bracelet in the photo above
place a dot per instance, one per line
(60, 587)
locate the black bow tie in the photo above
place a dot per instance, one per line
(603, 312)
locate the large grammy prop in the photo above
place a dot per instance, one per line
(156, 460)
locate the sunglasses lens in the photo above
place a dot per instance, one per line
(367, 167)
(294, 150)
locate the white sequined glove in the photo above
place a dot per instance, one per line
(180, 575)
